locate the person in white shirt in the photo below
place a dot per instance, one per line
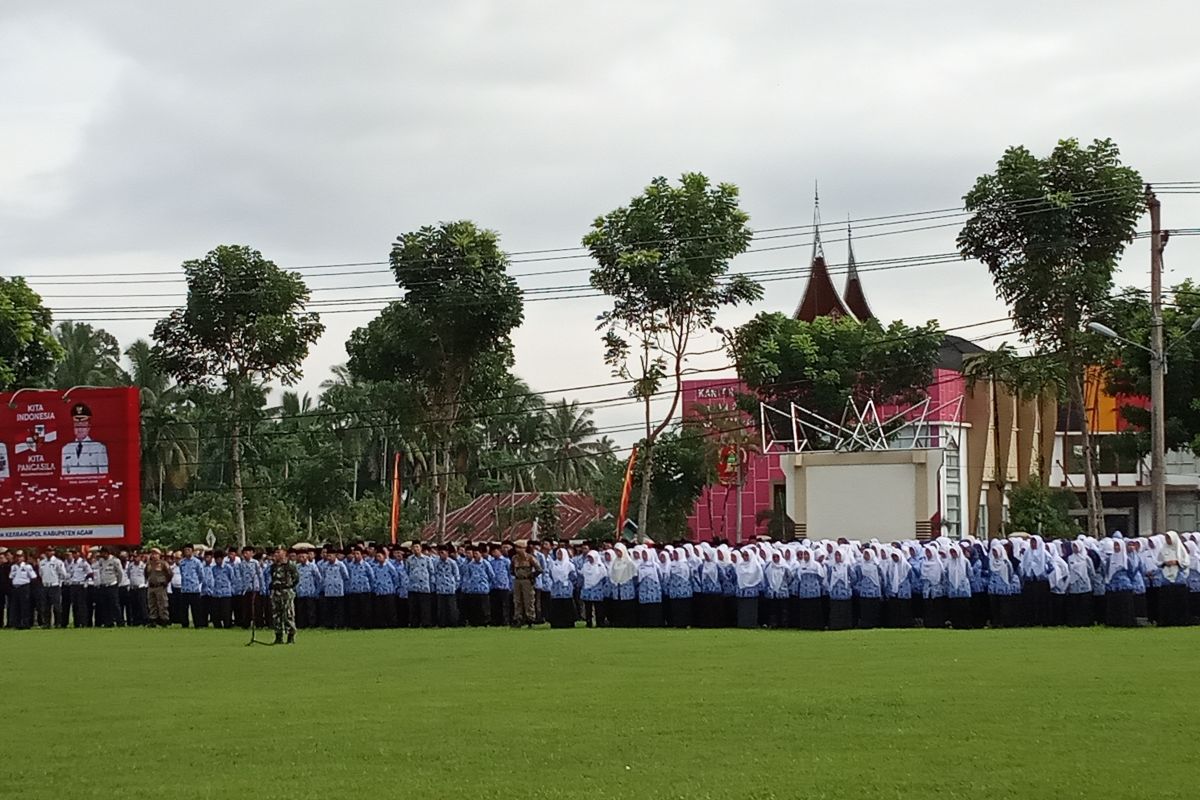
(5, 472)
(22, 576)
(75, 597)
(109, 572)
(136, 570)
(53, 574)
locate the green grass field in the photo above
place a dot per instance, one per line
(600, 714)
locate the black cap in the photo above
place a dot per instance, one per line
(81, 410)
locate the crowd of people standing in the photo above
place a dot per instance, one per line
(814, 585)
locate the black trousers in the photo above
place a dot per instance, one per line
(50, 610)
(477, 609)
(383, 611)
(420, 609)
(221, 614)
(125, 604)
(108, 607)
(189, 604)
(20, 609)
(206, 610)
(68, 598)
(139, 613)
(501, 600)
(333, 612)
(241, 609)
(306, 612)
(543, 607)
(593, 613)
(447, 611)
(358, 610)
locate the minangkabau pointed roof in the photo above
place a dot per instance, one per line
(855, 297)
(820, 298)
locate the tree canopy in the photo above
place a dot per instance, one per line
(28, 350)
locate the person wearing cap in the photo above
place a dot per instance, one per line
(420, 587)
(5, 584)
(501, 594)
(191, 581)
(525, 568)
(135, 568)
(158, 578)
(282, 577)
(109, 572)
(22, 576)
(83, 456)
(308, 590)
(53, 574)
(221, 591)
(358, 591)
(446, 585)
(334, 580)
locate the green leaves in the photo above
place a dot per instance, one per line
(244, 317)
(28, 351)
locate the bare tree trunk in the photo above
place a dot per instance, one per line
(999, 468)
(161, 475)
(1095, 504)
(354, 490)
(239, 496)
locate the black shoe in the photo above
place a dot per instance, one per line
(278, 639)
(291, 638)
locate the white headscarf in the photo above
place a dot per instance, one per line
(839, 571)
(1118, 559)
(681, 565)
(1078, 561)
(1173, 550)
(1034, 561)
(898, 570)
(623, 569)
(593, 570)
(776, 572)
(710, 570)
(998, 561)
(869, 568)
(931, 567)
(561, 567)
(648, 566)
(1059, 572)
(956, 570)
(749, 570)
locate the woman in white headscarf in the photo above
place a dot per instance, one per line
(650, 596)
(562, 590)
(1193, 545)
(707, 604)
(1081, 580)
(1060, 582)
(1120, 568)
(750, 578)
(868, 589)
(1035, 583)
(595, 585)
(1174, 562)
(776, 588)
(622, 583)
(898, 589)
(839, 578)
(679, 589)
(958, 588)
(1001, 600)
(810, 588)
(933, 588)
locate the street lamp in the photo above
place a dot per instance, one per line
(1158, 436)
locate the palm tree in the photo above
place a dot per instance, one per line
(91, 357)
(573, 445)
(170, 444)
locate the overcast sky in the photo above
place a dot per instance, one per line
(138, 135)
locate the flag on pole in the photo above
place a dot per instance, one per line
(395, 497)
(625, 494)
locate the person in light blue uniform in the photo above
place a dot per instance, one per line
(1120, 575)
(649, 591)
(500, 596)
(898, 589)
(839, 578)
(958, 588)
(777, 588)
(541, 584)
(191, 576)
(221, 593)
(622, 588)
(593, 589)
(1002, 611)
(397, 557)
(562, 590)
(335, 580)
(1081, 580)
(679, 589)
(446, 580)
(207, 604)
(729, 587)
(708, 598)
(868, 588)
(358, 591)
(477, 580)
(420, 588)
(978, 575)
(933, 588)
(383, 591)
(748, 569)
(810, 589)
(308, 590)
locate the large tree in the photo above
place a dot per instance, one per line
(1050, 230)
(1128, 370)
(664, 259)
(448, 338)
(170, 443)
(28, 350)
(244, 322)
(824, 364)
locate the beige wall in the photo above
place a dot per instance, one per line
(885, 494)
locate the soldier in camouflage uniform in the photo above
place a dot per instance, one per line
(284, 577)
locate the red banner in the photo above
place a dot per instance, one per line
(69, 467)
(625, 494)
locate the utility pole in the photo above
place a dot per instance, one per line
(1158, 369)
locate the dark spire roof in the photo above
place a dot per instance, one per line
(820, 298)
(856, 298)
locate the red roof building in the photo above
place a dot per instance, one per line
(500, 517)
